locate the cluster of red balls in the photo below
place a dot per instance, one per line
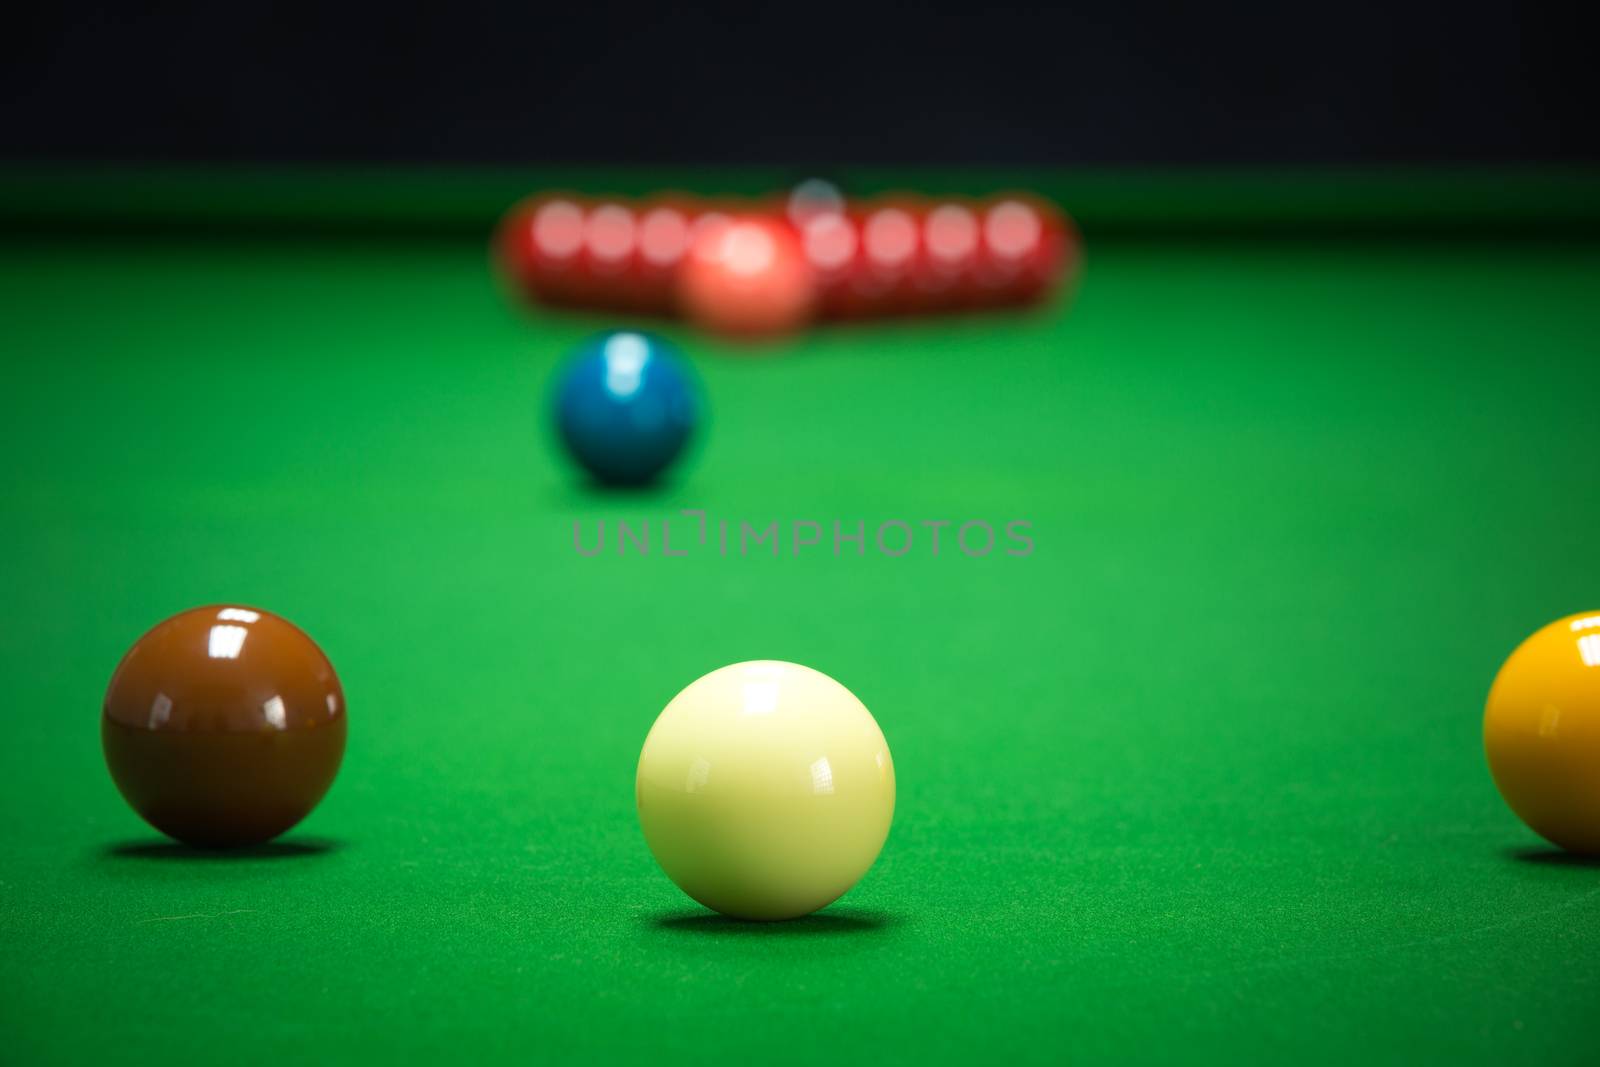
(760, 268)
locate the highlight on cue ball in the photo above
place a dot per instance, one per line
(765, 790)
(1541, 732)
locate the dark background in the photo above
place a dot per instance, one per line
(1100, 83)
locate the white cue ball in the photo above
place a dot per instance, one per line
(765, 790)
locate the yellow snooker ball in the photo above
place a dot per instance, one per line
(765, 790)
(1541, 731)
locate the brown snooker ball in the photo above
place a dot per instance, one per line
(223, 726)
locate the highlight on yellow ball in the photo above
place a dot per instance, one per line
(1541, 732)
(765, 790)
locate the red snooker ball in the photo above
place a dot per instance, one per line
(1027, 250)
(539, 245)
(747, 276)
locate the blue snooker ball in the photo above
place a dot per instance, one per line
(626, 406)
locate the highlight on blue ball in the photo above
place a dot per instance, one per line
(626, 406)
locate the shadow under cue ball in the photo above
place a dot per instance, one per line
(1541, 732)
(765, 790)
(224, 726)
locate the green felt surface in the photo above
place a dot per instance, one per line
(1199, 780)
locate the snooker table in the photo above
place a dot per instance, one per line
(1199, 779)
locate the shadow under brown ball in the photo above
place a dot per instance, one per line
(224, 726)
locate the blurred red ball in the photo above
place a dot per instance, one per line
(747, 276)
(539, 247)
